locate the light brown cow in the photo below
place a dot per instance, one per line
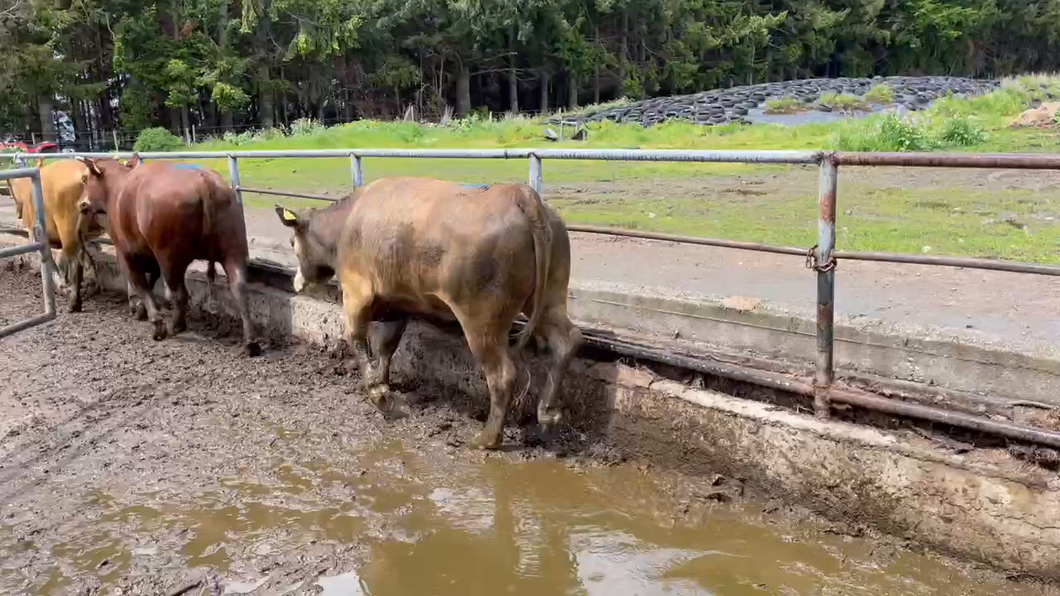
(61, 182)
(161, 218)
(415, 247)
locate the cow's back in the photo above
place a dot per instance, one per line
(186, 210)
(61, 185)
(416, 238)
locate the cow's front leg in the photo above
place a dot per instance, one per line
(357, 306)
(385, 338)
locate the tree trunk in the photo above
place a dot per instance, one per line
(513, 85)
(596, 72)
(572, 91)
(463, 90)
(222, 41)
(185, 122)
(623, 52)
(265, 109)
(47, 121)
(544, 92)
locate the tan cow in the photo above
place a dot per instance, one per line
(61, 182)
(416, 247)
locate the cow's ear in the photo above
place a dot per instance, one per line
(288, 217)
(84, 178)
(92, 167)
(134, 161)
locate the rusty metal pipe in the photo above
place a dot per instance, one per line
(826, 216)
(958, 419)
(283, 193)
(755, 246)
(969, 263)
(951, 160)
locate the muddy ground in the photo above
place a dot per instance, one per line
(136, 467)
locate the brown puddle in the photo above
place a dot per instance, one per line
(494, 527)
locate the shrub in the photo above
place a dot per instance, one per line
(882, 94)
(784, 105)
(841, 102)
(157, 139)
(888, 133)
(962, 132)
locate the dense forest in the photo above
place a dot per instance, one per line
(222, 64)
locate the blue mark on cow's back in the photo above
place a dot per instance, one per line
(186, 166)
(476, 186)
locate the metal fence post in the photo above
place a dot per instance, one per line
(233, 177)
(825, 267)
(356, 173)
(536, 178)
(47, 266)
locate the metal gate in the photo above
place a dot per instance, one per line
(38, 243)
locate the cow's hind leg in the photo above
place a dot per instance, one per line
(236, 272)
(563, 340)
(488, 341)
(174, 280)
(136, 305)
(74, 273)
(142, 278)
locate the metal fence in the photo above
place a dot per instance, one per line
(820, 258)
(38, 243)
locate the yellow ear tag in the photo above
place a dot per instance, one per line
(289, 216)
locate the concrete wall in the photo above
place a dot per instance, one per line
(981, 505)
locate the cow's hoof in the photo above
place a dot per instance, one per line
(398, 409)
(74, 307)
(140, 312)
(548, 419)
(160, 331)
(178, 327)
(484, 441)
(252, 349)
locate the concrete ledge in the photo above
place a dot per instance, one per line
(964, 361)
(981, 505)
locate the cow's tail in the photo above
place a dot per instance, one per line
(534, 208)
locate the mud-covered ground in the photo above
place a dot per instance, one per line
(136, 467)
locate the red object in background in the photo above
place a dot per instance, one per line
(46, 147)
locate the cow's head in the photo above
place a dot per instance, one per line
(93, 199)
(314, 259)
(100, 179)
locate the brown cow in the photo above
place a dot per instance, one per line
(404, 247)
(61, 183)
(161, 218)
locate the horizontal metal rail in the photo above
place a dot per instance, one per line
(674, 155)
(755, 246)
(1016, 161)
(963, 262)
(14, 251)
(280, 193)
(804, 388)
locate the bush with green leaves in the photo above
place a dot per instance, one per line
(880, 94)
(157, 139)
(962, 132)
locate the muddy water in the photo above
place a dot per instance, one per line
(494, 526)
(180, 467)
